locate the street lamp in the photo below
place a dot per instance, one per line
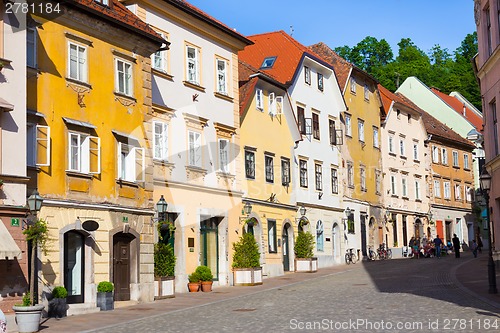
(302, 210)
(35, 202)
(485, 183)
(161, 208)
(347, 212)
(247, 208)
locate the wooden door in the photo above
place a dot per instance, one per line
(121, 267)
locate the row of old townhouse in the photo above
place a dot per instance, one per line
(112, 106)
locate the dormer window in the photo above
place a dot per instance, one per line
(103, 2)
(268, 63)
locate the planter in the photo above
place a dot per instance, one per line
(308, 265)
(105, 301)
(206, 286)
(164, 287)
(57, 308)
(247, 276)
(28, 317)
(193, 287)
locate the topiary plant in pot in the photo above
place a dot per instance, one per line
(246, 261)
(57, 305)
(105, 295)
(194, 282)
(164, 268)
(304, 255)
(206, 277)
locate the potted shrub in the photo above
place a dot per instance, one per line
(206, 277)
(303, 249)
(57, 305)
(246, 261)
(164, 268)
(194, 282)
(105, 295)
(28, 313)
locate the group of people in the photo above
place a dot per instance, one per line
(433, 248)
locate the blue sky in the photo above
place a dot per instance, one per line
(347, 22)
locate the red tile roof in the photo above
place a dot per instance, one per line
(247, 84)
(454, 103)
(279, 44)
(342, 67)
(118, 13)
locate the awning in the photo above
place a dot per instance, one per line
(126, 137)
(8, 246)
(5, 106)
(78, 123)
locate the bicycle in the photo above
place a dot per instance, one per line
(384, 253)
(372, 255)
(350, 256)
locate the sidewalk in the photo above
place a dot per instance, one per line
(470, 274)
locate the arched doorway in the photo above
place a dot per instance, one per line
(336, 241)
(74, 266)
(287, 246)
(371, 233)
(419, 232)
(122, 265)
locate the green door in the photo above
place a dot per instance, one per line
(286, 250)
(209, 243)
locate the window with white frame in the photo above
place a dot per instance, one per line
(259, 99)
(417, 189)
(466, 162)
(192, 61)
(335, 181)
(361, 130)
(315, 123)
(392, 149)
(272, 236)
(303, 173)
(332, 132)
(160, 58)
(77, 62)
(250, 164)
(350, 174)
(468, 193)
(366, 91)
(454, 155)
(38, 145)
(444, 156)
(224, 155)
(404, 186)
(362, 175)
(194, 149)
(160, 140)
(458, 192)
(435, 154)
(319, 176)
(269, 168)
(402, 147)
(285, 172)
(31, 41)
(353, 85)
(123, 77)
(320, 81)
(319, 236)
(221, 76)
(375, 137)
(103, 2)
(447, 190)
(307, 75)
(378, 182)
(415, 151)
(437, 188)
(393, 185)
(131, 162)
(84, 152)
(348, 128)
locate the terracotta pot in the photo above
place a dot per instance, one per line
(193, 287)
(206, 286)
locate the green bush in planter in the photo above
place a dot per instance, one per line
(59, 292)
(246, 252)
(194, 277)
(304, 245)
(164, 260)
(105, 287)
(204, 273)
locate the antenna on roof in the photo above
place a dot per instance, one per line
(291, 30)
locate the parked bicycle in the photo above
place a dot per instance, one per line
(383, 252)
(372, 255)
(350, 256)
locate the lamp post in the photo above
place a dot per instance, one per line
(34, 205)
(161, 208)
(485, 183)
(302, 210)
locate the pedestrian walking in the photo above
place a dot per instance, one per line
(437, 243)
(473, 247)
(456, 245)
(479, 244)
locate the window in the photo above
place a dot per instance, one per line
(402, 147)
(335, 181)
(404, 187)
(393, 185)
(353, 85)
(272, 98)
(415, 151)
(221, 76)
(160, 141)
(488, 30)
(493, 110)
(103, 2)
(285, 172)
(269, 168)
(437, 188)
(417, 189)
(348, 129)
(38, 145)
(271, 235)
(268, 62)
(409, 118)
(224, 155)
(331, 131)
(250, 164)
(259, 99)
(192, 60)
(31, 40)
(315, 121)
(458, 192)
(378, 183)
(131, 162)
(361, 130)
(303, 173)
(468, 193)
(447, 190)
(350, 224)
(350, 174)
(391, 144)
(301, 120)
(320, 81)
(466, 162)
(319, 236)
(398, 114)
(319, 176)
(435, 154)
(362, 174)
(444, 156)
(366, 92)
(307, 75)
(123, 77)
(275, 104)
(77, 62)
(84, 153)
(194, 149)
(159, 58)
(375, 137)
(454, 155)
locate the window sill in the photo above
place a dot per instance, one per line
(250, 178)
(124, 99)
(160, 162)
(162, 73)
(405, 198)
(79, 83)
(129, 183)
(394, 196)
(456, 167)
(194, 86)
(403, 157)
(304, 187)
(78, 174)
(418, 200)
(350, 186)
(223, 96)
(466, 169)
(392, 154)
(416, 161)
